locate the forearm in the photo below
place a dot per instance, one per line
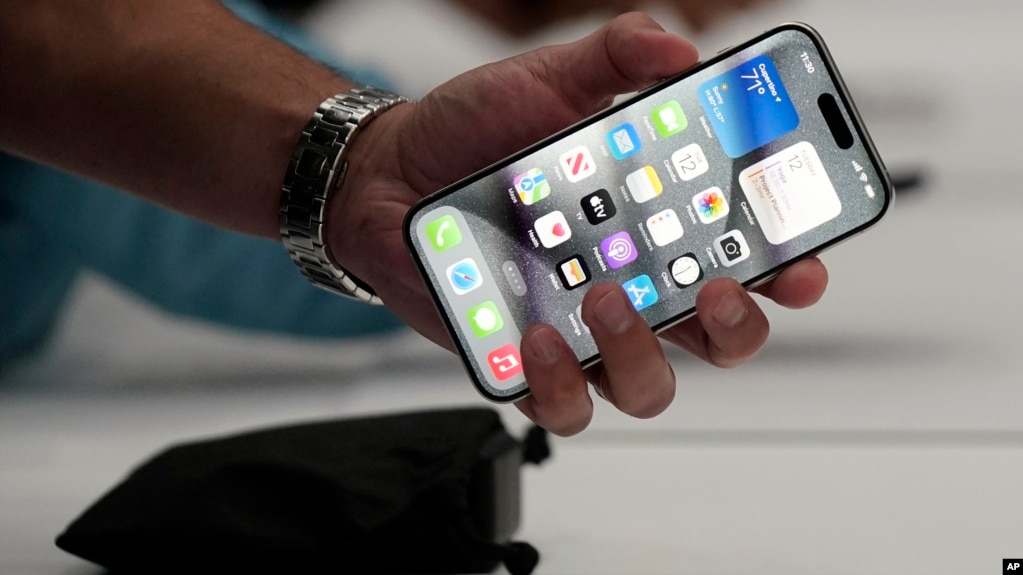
(178, 102)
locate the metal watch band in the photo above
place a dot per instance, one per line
(317, 168)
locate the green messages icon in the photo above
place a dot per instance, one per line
(669, 119)
(443, 233)
(485, 319)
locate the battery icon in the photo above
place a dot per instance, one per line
(870, 191)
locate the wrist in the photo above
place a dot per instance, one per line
(313, 186)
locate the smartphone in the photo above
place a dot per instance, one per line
(738, 167)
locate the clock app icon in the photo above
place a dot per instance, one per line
(685, 270)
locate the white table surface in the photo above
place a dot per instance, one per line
(878, 432)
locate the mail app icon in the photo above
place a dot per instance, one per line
(623, 141)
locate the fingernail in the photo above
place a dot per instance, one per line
(614, 312)
(544, 346)
(731, 310)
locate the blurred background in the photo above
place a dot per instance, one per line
(880, 431)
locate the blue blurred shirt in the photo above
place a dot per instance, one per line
(54, 226)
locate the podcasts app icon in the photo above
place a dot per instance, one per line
(619, 250)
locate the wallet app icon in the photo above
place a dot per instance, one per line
(748, 106)
(623, 141)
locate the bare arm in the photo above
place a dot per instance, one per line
(179, 102)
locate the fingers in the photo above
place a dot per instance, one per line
(559, 400)
(729, 327)
(628, 54)
(798, 286)
(635, 376)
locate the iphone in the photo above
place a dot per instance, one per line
(740, 166)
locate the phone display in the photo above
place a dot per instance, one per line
(750, 161)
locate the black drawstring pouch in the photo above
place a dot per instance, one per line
(430, 492)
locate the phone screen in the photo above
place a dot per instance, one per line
(751, 161)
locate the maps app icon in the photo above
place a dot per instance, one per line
(532, 186)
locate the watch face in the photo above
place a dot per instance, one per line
(685, 270)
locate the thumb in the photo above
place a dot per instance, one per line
(628, 54)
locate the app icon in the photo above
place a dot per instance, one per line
(573, 272)
(710, 205)
(664, 227)
(552, 229)
(731, 248)
(532, 186)
(685, 270)
(443, 233)
(505, 362)
(618, 250)
(689, 162)
(644, 185)
(623, 141)
(578, 164)
(669, 119)
(485, 319)
(465, 276)
(748, 106)
(641, 292)
(598, 207)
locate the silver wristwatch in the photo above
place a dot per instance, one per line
(317, 168)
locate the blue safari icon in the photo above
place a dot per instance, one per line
(464, 276)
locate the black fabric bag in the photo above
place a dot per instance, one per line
(430, 492)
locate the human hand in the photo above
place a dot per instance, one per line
(488, 113)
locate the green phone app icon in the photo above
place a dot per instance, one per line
(443, 233)
(669, 119)
(485, 319)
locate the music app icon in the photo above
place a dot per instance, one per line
(505, 362)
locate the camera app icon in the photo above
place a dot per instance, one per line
(731, 248)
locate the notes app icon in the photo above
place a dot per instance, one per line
(643, 184)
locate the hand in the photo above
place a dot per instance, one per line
(489, 113)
